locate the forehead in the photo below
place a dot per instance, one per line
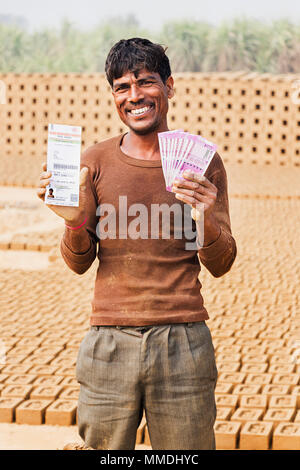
(135, 75)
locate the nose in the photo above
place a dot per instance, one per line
(135, 94)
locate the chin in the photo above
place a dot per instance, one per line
(145, 130)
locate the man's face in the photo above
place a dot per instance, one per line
(142, 100)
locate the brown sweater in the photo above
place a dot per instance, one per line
(145, 280)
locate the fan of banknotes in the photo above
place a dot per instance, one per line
(182, 151)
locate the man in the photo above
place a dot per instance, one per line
(149, 347)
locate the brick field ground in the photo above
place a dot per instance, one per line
(254, 318)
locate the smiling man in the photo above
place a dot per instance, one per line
(148, 347)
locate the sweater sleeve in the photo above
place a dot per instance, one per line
(78, 261)
(219, 255)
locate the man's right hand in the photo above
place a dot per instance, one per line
(73, 215)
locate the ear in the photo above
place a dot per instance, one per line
(170, 87)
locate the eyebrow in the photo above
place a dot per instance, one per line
(148, 77)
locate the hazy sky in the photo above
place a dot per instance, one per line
(150, 13)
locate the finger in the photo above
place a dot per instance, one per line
(193, 200)
(197, 177)
(44, 182)
(44, 166)
(83, 177)
(184, 183)
(41, 192)
(46, 174)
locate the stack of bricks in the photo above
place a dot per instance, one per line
(252, 118)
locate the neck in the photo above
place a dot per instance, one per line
(144, 147)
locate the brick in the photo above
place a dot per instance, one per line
(3, 377)
(254, 358)
(253, 401)
(256, 436)
(261, 379)
(234, 377)
(282, 368)
(286, 379)
(66, 371)
(226, 400)
(289, 401)
(141, 431)
(7, 408)
(286, 437)
(247, 414)
(223, 387)
(273, 389)
(63, 361)
(278, 415)
(246, 389)
(61, 412)
(296, 391)
(48, 380)
(229, 349)
(32, 411)
(22, 391)
(38, 360)
(226, 434)
(70, 393)
(46, 392)
(297, 417)
(43, 370)
(29, 342)
(259, 350)
(224, 413)
(147, 441)
(250, 368)
(20, 379)
(69, 382)
(228, 366)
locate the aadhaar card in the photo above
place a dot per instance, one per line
(63, 160)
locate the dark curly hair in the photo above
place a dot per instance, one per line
(132, 55)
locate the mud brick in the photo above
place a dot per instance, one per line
(141, 431)
(224, 413)
(70, 393)
(38, 360)
(48, 351)
(222, 388)
(296, 391)
(248, 342)
(243, 415)
(259, 350)
(289, 401)
(278, 415)
(15, 369)
(254, 358)
(261, 379)
(281, 359)
(22, 349)
(226, 357)
(286, 436)
(223, 341)
(282, 368)
(223, 333)
(256, 436)
(286, 379)
(67, 371)
(273, 389)
(69, 382)
(22, 391)
(228, 366)
(46, 392)
(52, 342)
(12, 359)
(28, 332)
(250, 333)
(73, 343)
(32, 411)
(43, 370)
(226, 434)
(147, 441)
(3, 378)
(246, 389)
(7, 408)
(234, 377)
(19, 379)
(63, 361)
(61, 412)
(29, 342)
(226, 400)
(254, 401)
(297, 417)
(251, 368)
(48, 380)
(278, 343)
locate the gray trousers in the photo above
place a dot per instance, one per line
(168, 370)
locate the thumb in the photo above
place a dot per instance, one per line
(83, 177)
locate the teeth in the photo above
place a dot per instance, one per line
(140, 111)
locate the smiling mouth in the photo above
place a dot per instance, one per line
(140, 111)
